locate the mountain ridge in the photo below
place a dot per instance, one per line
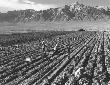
(75, 12)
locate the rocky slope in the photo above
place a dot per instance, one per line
(75, 11)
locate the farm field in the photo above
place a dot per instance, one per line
(89, 62)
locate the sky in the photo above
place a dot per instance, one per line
(9, 5)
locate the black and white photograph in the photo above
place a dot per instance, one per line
(54, 42)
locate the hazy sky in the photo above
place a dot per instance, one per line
(6, 5)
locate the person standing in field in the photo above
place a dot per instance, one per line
(44, 49)
(56, 48)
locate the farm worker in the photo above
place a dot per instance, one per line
(43, 47)
(55, 48)
(57, 44)
(44, 50)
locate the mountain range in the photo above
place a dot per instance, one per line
(74, 12)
